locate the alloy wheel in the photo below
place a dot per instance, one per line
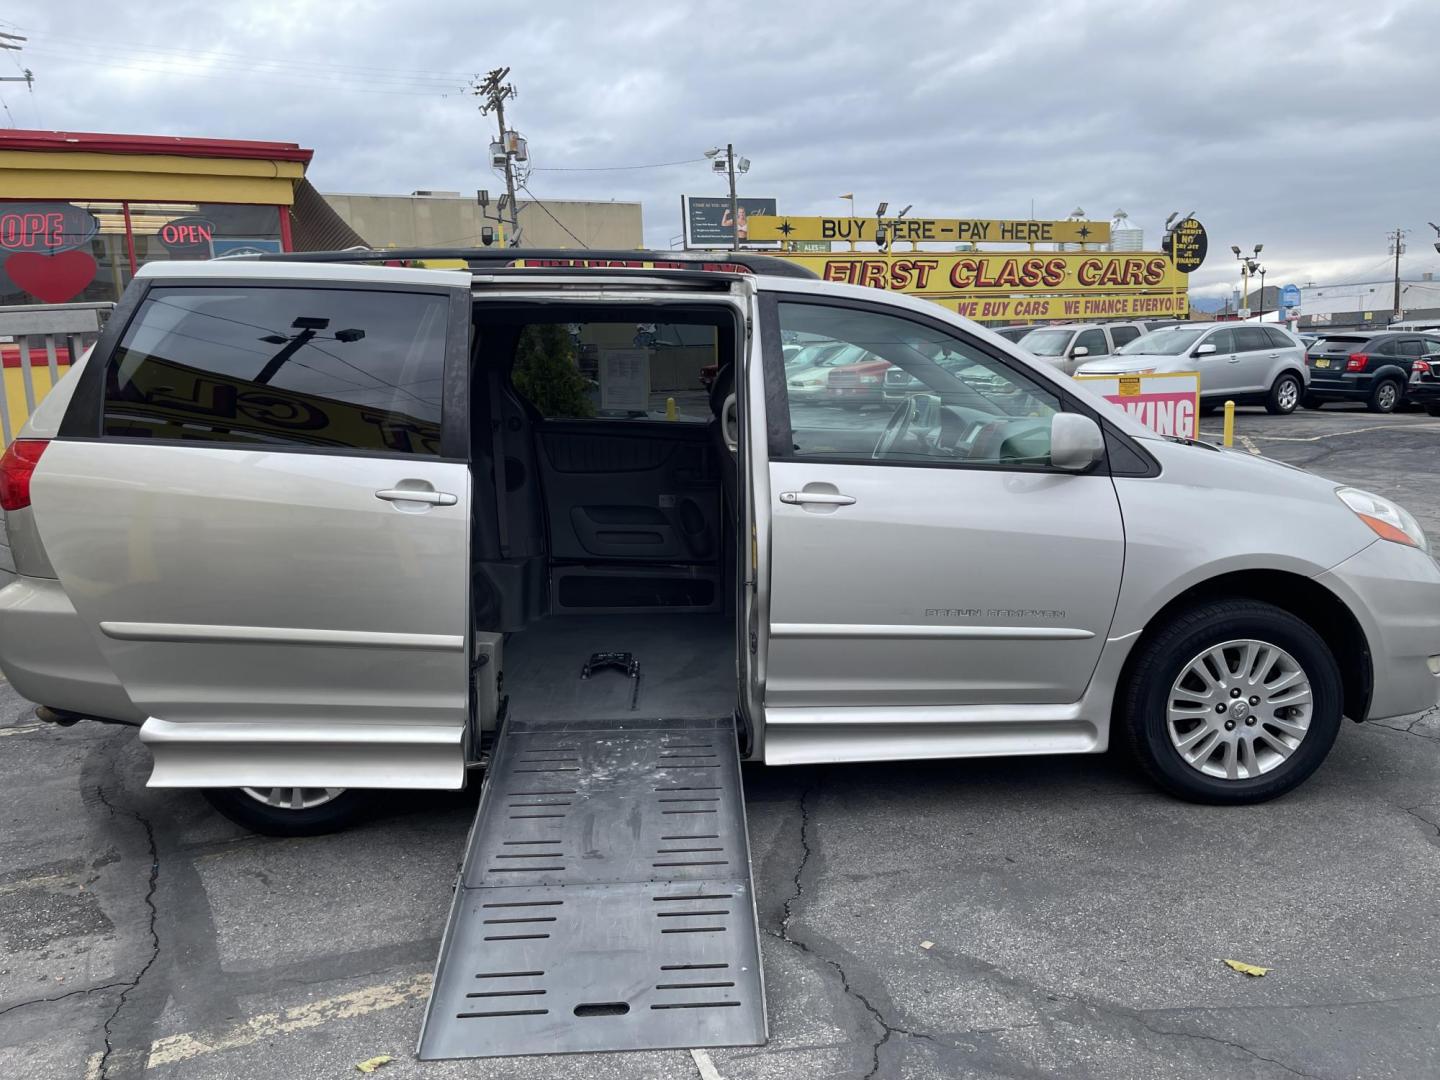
(1385, 396)
(1289, 395)
(1239, 710)
(294, 798)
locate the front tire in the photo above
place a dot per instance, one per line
(1385, 397)
(290, 811)
(1311, 402)
(1284, 394)
(1432, 410)
(1232, 702)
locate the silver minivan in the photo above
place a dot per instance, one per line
(317, 527)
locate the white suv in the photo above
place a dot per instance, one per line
(1069, 345)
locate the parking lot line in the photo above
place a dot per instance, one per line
(20, 729)
(176, 1048)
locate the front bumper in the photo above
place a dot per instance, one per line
(1394, 593)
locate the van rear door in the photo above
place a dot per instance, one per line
(259, 503)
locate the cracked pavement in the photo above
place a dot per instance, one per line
(1078, 918)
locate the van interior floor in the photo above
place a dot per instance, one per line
(686, 668)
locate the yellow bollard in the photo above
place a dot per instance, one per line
(670, 411)
(1229, 423)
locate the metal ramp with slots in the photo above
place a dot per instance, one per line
(605, 901)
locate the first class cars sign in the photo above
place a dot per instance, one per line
(1167, 403)
(974, 273)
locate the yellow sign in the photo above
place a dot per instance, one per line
(928, 230)
(1068, 308)
(1005, 273)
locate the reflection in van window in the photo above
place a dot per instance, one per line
(618, 370)
(342, 368)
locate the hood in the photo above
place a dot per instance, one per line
(1126, 364)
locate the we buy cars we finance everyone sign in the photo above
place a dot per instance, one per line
(1166, 403)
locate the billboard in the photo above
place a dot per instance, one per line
(1001, 273)
(707, 221)
(931, 230)
(1071, 308)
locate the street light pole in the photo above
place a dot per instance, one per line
(1248, 266)
(734, 202)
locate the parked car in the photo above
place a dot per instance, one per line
(809, 379)
(1070, 345)
(1013, 333)
(289, 525)
(1369, 366)
(1248, 364)
(1424, 385)
(855, 385)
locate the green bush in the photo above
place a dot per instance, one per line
(546, 372)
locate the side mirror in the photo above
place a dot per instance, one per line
(1204, 350)
(1076, 442)
(1080, 350)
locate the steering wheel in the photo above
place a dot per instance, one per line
(896, 429)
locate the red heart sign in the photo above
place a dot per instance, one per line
(52, 279)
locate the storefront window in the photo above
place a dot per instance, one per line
(62, 252)
(72, 252)
(202, 230)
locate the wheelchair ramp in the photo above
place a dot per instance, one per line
(605, 902)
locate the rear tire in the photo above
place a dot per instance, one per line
(1162, 706)
(1284, 394)
(323, 810)
(1385, 397)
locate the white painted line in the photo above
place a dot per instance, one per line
(372, 999)
(21, 729)
(705, 1065)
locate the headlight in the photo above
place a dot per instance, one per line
(1390, 522)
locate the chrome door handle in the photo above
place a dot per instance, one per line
(1233, 359)
(822, 497)
(434, 498)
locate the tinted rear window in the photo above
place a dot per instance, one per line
(1339, 344)
(343, 368)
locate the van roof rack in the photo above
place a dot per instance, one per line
(732, 262)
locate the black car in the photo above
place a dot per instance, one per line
(1369, 366)
(1013, 333)
(1424, 385)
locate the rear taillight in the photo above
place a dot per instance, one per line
(16, 468)
(1356, 362)
(1422, 366)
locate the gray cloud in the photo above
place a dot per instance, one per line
(1313, 134)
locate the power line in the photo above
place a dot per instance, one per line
(615, 168)
(552, 217)
(284, 77)
(252, 62)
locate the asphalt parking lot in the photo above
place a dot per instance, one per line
(1011, 918)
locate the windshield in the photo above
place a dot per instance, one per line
(1170, 342)
(1046, 342)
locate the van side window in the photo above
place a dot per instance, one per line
(902, 392)
(348, 369)
(618, 370)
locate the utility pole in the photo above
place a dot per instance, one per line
(7, 41)
(493, 93)
(1397, 248)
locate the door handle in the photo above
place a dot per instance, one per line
(823, 498)
(1233, 359)
(434, 498)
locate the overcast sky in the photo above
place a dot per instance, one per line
(1312, 132)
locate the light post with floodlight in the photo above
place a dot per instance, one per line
(725, 161)
(1249, 264)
